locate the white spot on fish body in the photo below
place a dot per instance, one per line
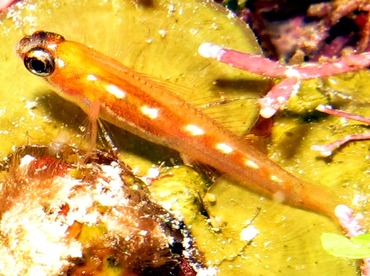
(251, 164)
(225, 148)
(276, 179)
(116, 91)
(194, 130)
(150, 112)
(91, 77)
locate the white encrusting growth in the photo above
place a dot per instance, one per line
(249, 233)
(32, 244)
(150, 112)
(281, 99)
(209, 50)
(349, 220)
(225, 148)
(34, 232)
(194, 130)
(162, 32)
(292, 72)
(116, 91)
(267, 112)
(324, 150)
(26, 160)
(295, 88)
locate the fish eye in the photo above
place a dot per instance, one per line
(39, 62)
